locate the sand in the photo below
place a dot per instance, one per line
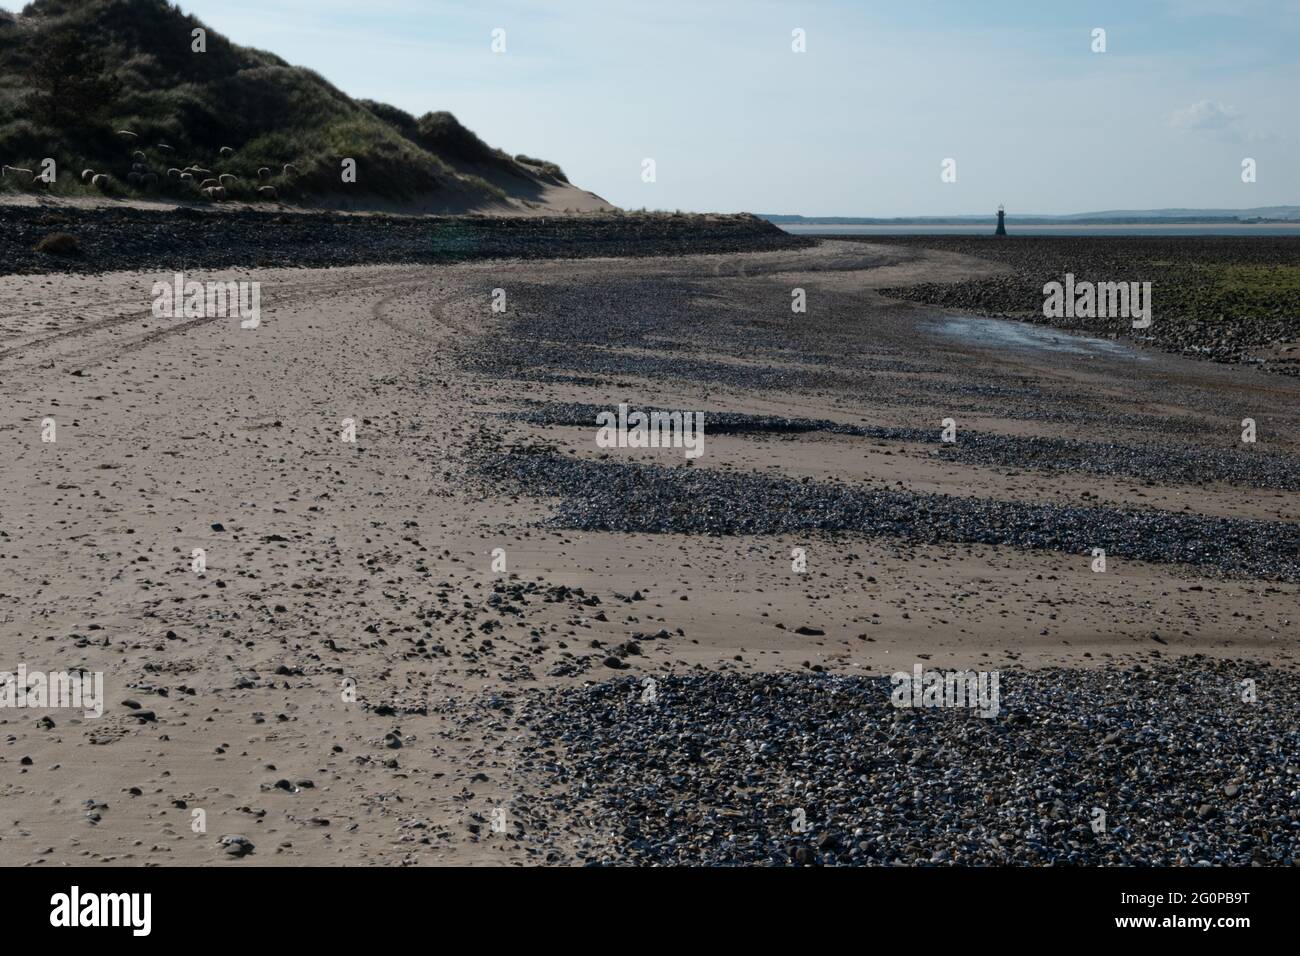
(526, 198)
(332, 565)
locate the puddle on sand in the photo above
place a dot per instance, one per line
(1000, 333)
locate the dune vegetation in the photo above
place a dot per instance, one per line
(89, 83)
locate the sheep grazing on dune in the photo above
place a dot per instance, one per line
(290, 169)
(267, 192)
(173, 173)
(187, 177)
(226, 151)
(101, 180)
(166, 149)
(138, 156)
(264, 173)
(215, 192)
(127, 135)
(17, 172)
(201, 172)
(87, 175)
(209, 184)
(227, 179)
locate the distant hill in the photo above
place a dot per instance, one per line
(1198, 215)
(74, 72)
(1113, 216)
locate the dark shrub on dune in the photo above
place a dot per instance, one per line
(548, 169)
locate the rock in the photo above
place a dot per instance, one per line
(236, 845)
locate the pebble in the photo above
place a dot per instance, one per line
(715, 771)
(147, 239)
(594, 496)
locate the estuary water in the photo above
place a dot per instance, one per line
(1178, 229)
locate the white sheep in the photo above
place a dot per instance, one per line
(227, 179)
(17, 172)
(173, 173)
(264, 173)
(101, 180)
(126, 134)
(226, 151)
(290, 169)
(209, 184)
(267, 192)
(87, 175)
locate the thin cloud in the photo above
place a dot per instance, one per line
(1205, 115)
(1214, 119)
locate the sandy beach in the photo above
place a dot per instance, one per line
(340, 683)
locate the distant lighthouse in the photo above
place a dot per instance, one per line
(1002, 221)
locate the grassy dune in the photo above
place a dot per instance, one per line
(73, 72)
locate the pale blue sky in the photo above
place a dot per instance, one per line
(857, 125)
